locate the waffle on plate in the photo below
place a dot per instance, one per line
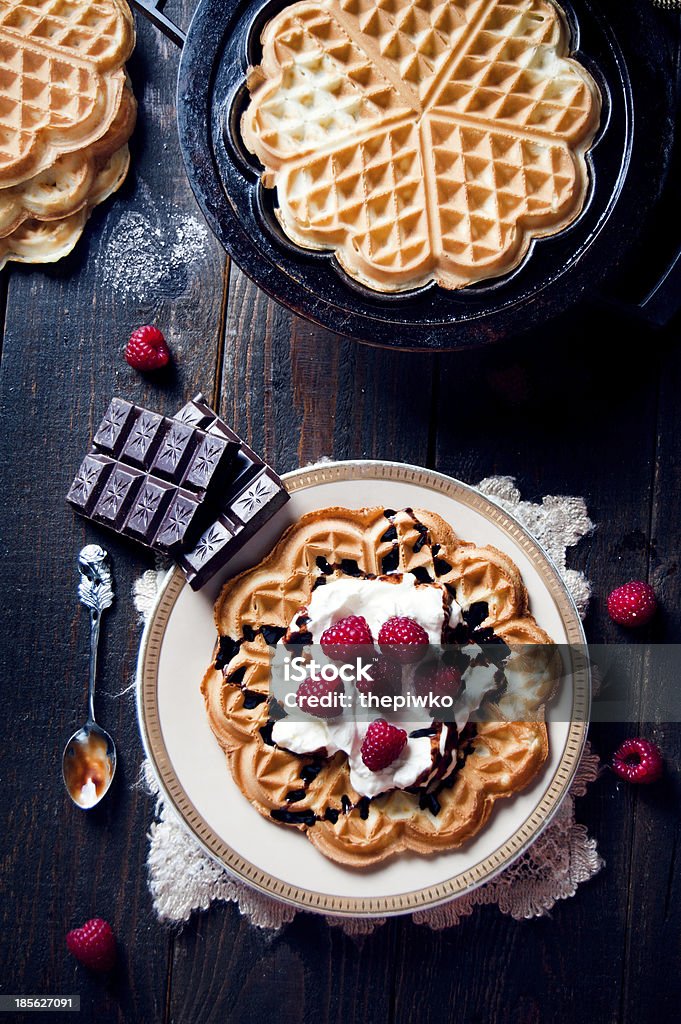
(321, 787)
(420, 140)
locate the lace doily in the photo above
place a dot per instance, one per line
(183, 878)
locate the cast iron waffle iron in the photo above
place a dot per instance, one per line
(626, 49)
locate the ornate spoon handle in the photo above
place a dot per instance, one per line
(95, 591)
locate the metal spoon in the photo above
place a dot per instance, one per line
(89, 760)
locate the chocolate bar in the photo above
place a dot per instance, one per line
(254, 494)
(187, 486)
(152, 478)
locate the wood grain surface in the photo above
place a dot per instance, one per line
(587, 406)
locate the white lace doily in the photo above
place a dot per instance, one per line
(183, 878)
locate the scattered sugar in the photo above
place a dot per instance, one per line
(141, 261)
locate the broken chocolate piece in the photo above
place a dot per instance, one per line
(251, 497)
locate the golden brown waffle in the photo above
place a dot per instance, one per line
(502, 756)
(40, 241)
(65, 187)
(418, 140)
(61, 79)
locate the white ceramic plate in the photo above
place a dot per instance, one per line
(176, 650)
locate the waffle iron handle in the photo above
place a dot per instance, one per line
(663, 301)
(658, 307)
(151, 9)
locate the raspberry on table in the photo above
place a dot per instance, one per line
(382, 744)
(338, 640)
(638, 760)
(147, 349)
(316, 687)
(94, 944)
(632, 604)
(402, 639)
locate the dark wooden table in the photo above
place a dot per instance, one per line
(589, 407)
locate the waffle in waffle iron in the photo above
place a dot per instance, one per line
(313, 791)
(419, 140)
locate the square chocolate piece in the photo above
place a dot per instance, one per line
(89, 482)
(211, 543)
(175, 451)
(146, 513)
(211, 462)
(144, 438)
(195, 415)
(255, 495)
(117, 496)
(181, 524)
(115, 427)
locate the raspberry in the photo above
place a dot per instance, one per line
(632, 604)
(382, 744)
(93, 944)
(337, 641)
(386, 679)
(147, 350)
(316, 687)
(401, 638)
(438, 678)
(638, 760)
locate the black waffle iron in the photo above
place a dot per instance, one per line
(626, 48)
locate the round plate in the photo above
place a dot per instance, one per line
(176, 650)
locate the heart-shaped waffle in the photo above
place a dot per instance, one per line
(420, 140)
(254, 609)
(61, 78)
(66, 187)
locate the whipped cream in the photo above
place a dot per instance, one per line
(346, 734)
(378, 600)
(310, 735)
(478, 681)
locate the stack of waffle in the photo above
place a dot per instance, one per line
(66, 113)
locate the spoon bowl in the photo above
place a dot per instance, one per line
(89, 765)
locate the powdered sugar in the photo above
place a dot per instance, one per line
(141, 261)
